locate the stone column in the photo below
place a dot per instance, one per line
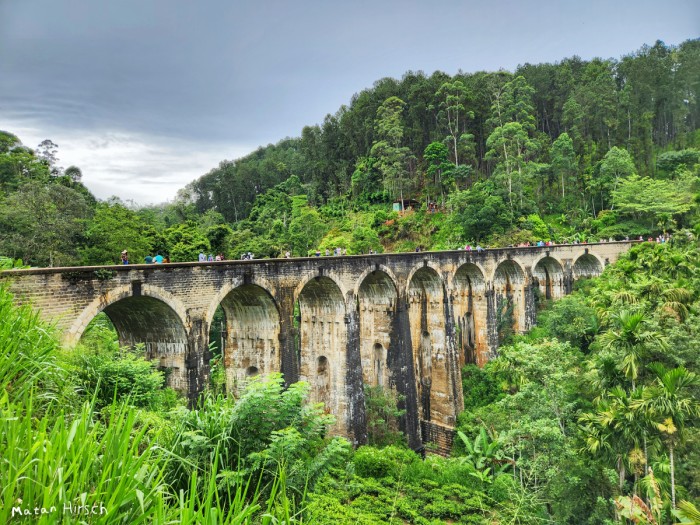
(288, 336)
(356, 418)
(491, 321)
(453, 370)
(400, 362)
(197, 358)
(529, 306)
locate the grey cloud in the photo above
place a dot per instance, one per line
(216, 75)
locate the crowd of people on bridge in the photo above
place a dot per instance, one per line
(203, 257)
(249, 256)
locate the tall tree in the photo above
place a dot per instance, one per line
(510, 143)
(672, 401)
(564, 161)
(392, 157)
(47, 150)
(631, 339)
(452, 98)
(439, 169)
(42, 223)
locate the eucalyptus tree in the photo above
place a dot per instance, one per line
(392, 157)
(452, 97)
(510, 144)
(439, 168)
(564, 161)
(615, 167)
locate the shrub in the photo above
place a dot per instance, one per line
(479, 386)
(123, 374)
(378, 463)
(382, 417)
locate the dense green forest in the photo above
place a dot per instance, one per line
(577, 150)
(590, 418)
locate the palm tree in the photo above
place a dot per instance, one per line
(607, 430)
(688, 513)
(631, 338)
(671, 403)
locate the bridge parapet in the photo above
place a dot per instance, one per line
(406, 322)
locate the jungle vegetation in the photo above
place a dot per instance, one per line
(591, 417)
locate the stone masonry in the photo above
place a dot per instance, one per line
(407, 322)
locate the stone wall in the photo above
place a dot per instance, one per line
(407, 322)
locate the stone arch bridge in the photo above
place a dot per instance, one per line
(406, 321)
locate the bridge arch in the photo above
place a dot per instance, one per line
(251, 337)
(508, 273)
(316, 277)
(468, 288)
(322, 343)
(370, 271)
(427, 318)
(152, 317)
(423, 271)
(548, 275)
(226, 289)
(509, 283)
(587, 265)
(377, 295)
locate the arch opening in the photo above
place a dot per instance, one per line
(469, 284)
(322, 342)
(425, 281)
(379, 365)
(377, 297)
(508, 274)
(323, 382)
(426, 300)
(549, 277)
(508, 284)
(249, 334)
(147, 321)
(587, 266)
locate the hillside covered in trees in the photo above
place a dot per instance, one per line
(576, 150)
(591, 418)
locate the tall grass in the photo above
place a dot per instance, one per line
(68, 463)
(27, 352)
(58, 464)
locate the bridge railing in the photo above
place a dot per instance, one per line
(282, 260)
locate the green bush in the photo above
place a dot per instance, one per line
(480, 387)
(371, 462)
(123, 374)
(382, 417)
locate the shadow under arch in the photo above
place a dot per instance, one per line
(426, 312)
(424, 275)
(469, 285)
(251, 334)
(508, 273)
(377, 297)
(587, 266)
(548, 274)
(225, 290)
(508, 287)
(323, 333)
(146, 319)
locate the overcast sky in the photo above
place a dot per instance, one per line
(147, 95)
